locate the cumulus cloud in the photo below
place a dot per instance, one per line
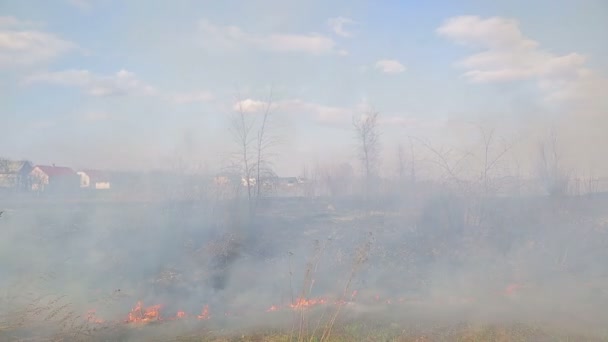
(566, 83)
(21, 45)
(389, 66)
(8, 21)
(121, 83)
(235, 37)
(495, 32)
(336, 116)
(252, 106)
(337, 25)
(508, 55)
(12, 22)
(321, 114)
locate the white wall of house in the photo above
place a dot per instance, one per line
(38, 179)
(85, 180)
(8, 180)
(102, 185)
(244, 181)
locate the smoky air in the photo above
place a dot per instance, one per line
(301, 171)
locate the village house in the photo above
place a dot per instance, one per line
(94, 179)
(53, 178)
(226, 180)
(14, 175)
(252, 181)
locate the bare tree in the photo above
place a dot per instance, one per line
(242, 131)
(490, 159)
(252, 136)
(264, 142)
(400, 164)
(412, 162)
(403, 162)
(449, 160)
(367, 135)
(309, 180)
(550, 168)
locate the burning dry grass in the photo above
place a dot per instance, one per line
(54, 318)
(309, 312)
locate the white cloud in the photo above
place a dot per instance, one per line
(235, 37)
(21, 46)
(495, 32)
(322, 114)
(319, 113)
(8, 21)
(337, 26)
(566, 83)
(331, 115)
(121, 83)
(389, 66)
(508, 55)
(311, 43)
(251, 106)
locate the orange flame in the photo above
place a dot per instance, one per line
(273, 308)
(306, 303)
(140, 315)
(180, 314)
(205, 313)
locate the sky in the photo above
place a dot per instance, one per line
(140, 84)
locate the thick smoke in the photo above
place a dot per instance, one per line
(531, 259)
(460, 189)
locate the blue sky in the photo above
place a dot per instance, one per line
(133, 84)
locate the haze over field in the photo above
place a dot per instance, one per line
(303, 170)
(107, 84)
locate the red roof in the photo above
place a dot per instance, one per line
(56, 171)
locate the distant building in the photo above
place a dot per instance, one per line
(14, 174)
(226, 179)
(252, 181)
(56, 178)
(94, 179)
(288, 181)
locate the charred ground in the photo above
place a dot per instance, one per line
(79, 269)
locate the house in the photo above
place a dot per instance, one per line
(94, 179)
(288, 181)
(14, 174)
(251, 183)
(226, 179)
(55, 178)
